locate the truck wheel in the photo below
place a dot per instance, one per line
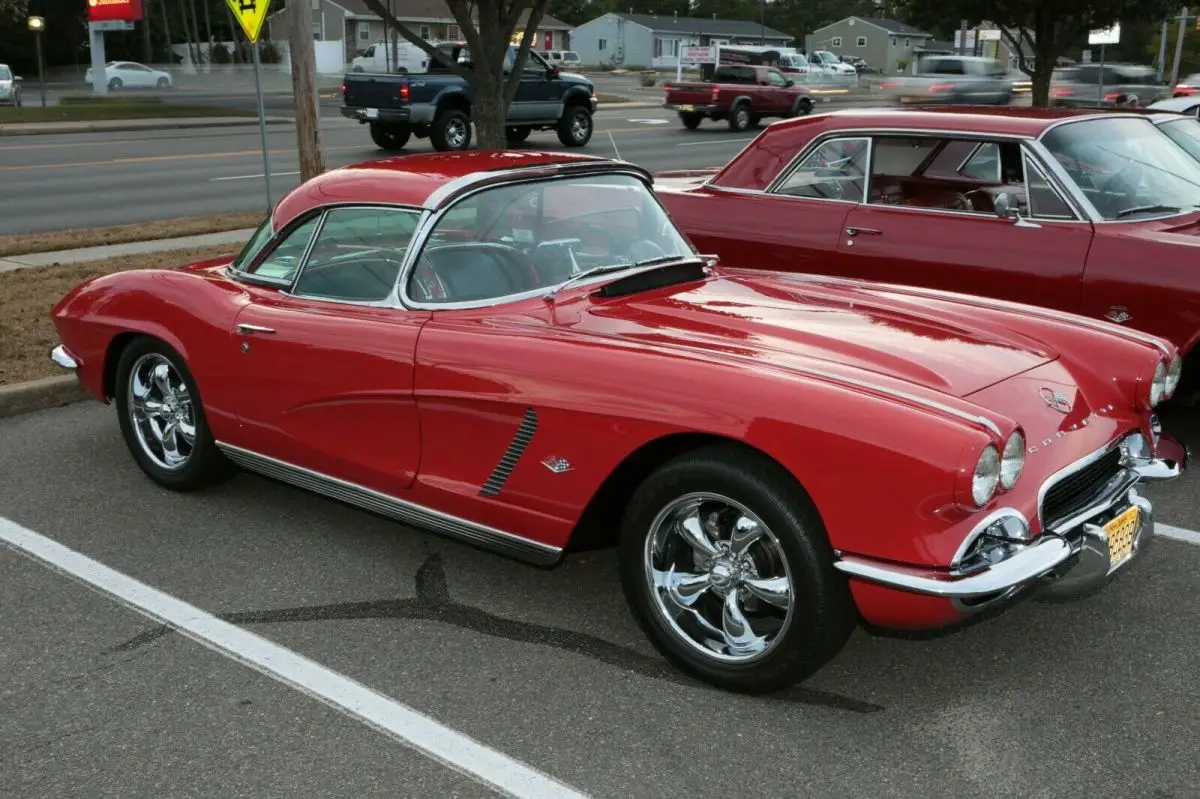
(802, 107)
(451, 130)
(516, 135)
(389, 137)
(740, 118)
(575, 127)
(691, 121)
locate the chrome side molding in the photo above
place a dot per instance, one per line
(400, 510)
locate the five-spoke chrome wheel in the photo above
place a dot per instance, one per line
(719, 577)
(161, 412)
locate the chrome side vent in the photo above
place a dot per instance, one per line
(513, 454)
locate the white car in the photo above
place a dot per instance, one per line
(1187, 104)
(131, 75)
(10, 86)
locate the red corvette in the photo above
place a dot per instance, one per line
(1093, 212)
(520, 349)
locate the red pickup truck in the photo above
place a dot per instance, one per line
(740, 94)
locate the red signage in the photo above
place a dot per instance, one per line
(114, 10)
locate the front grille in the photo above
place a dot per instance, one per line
(1073, 492)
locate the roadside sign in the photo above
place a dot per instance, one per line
(112, 25)
(250, 15)
(706, 54)
(1105, 35)
(989, 35)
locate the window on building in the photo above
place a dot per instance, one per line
(453, 33)
(602, 44)
(364, 34)
(316, 29)
(837, 41)
(861, 41)
(908, 42)
(425, 32)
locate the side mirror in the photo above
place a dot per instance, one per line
(552, 73)
(790, 82)
(1005, 207)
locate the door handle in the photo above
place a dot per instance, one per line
(244, 328)
(866, 231)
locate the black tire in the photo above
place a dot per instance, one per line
(802, 107)
(163, 83)
(451, 131)
(691, 120)
(115, 84)
(823, 614)
(575, 126)
(205, 464)
(390, 137)
(517, 134)
(740, 117)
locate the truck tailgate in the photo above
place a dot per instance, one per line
(373, 90)
(688, 94)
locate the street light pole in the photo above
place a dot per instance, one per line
(37, 25)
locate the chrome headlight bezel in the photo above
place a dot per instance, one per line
(1173, 374)
(1158, 384)
(1012, 460)
(985, 478)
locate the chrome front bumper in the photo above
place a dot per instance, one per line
(1063, 563)
(61, 356)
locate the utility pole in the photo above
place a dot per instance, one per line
(1162, 49)
(304, 90)
(1183, 15)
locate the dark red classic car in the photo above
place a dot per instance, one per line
(1093, 212)
(520, 350)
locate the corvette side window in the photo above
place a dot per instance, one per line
(357, 254)
(836, 170)
(282, 262)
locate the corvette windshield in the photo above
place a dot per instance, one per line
(1127, 167)
(528, 236)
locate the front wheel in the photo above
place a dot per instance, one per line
(390, 137)
(451, 130)
(725, 563)
(163, 83)
(517, 134)
(575, 127)
(802, 107)
(162, 418)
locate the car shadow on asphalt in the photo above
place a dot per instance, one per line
(434, 603)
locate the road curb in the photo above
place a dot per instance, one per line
(41, 129)
(40, 395)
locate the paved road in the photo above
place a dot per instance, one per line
(1090, 699)
(81, 180)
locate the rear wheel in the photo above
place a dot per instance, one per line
(162, 418)
(726, 566)
(451, 130)
(575, 127)
(517, 134)
(390, 137)
(740, 118)
(802, 107)
(691, 121)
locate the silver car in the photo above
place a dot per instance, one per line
(10, 87)
(954, 80)
(1092, 85)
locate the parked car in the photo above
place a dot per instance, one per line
(438, 104)
(1097, 85)
(1183, 129)
(953, 80)
(10, 86)
(1180, 104)
(741, 95)
(520, 350)
(131, 75)
(1090, 212)
(1188, 86)
(564, 58)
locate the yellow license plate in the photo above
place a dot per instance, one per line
(1120, 532)
(686, 107)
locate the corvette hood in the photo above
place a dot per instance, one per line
(851, 331)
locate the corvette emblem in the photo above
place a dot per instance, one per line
(557, 465)
(1118, 314)
(1055, 400)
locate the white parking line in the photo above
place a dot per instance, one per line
(353, 698)
(250, 177)
(713, 141)
(1178, 533)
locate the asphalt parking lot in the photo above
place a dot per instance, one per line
(1092, 699)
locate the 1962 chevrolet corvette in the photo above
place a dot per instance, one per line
(517, 349)
(1092, 212)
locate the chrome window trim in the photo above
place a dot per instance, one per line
(1079, 213)
(421, 236)
(773, 188)
(401, 510)
(389, 301)
(458, 188)
(278, 237)
(1050, 314)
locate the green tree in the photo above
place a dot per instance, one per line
(1189, 58)
(1056, 26)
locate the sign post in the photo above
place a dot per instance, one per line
(250, 15)
(1103, 37)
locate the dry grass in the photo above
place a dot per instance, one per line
(93, 111)
(26, 296)
(20, 243)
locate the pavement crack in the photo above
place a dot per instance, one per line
(434, 603)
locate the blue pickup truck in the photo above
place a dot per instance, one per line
(438, 103)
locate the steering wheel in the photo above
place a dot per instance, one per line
(1132, 167)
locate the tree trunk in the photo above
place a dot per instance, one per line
(167, 34)
(208, 25)
(488, 112)
(236, 51)
(196, 32)
(147, 47)
(304, 90)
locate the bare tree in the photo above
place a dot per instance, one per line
(304, 89)
(488, 27)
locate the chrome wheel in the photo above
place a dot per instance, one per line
(161, 412)
(579, 127)
(456, 133)
(719, 577)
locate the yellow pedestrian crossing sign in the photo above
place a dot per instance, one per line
(250, 13)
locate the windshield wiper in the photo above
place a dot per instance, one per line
(599, 270)
(1149, 209)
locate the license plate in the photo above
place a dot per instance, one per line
(686, 107)
(370, 113)
(1120, 532)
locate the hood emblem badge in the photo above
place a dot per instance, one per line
(1118, 314)
(556, 464)
(1055, 400)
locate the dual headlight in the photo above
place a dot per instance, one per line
(996, 470)
(1165, 380)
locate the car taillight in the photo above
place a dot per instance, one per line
(404, 92)
(716, 93)
(887, 84)
(343, 87)
(1112, 96)
(940, 87)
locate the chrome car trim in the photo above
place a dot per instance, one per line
(989, 302)
(456, 189)
(512, 454)
(1030, 563)
(1117, 487)
(981, 527)
(1057, 172)
(1079, 213)
(394, 508)
(1093, 564)
(63, 358)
